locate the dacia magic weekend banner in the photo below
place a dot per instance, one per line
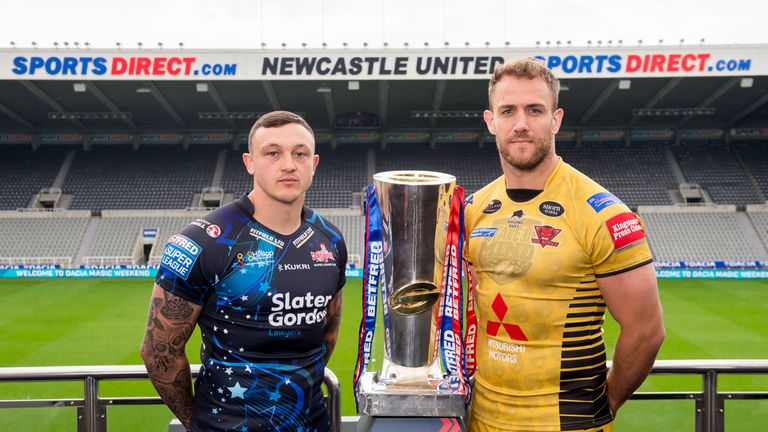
(135, 64)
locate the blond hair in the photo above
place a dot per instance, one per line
(528, 68)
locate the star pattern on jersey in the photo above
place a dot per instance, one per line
(237, 391)
(274, 393)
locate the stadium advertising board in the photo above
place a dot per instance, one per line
(749, 133)
(710, 264)
(712, 274)
(148, 271)
(15, 138)
(107, 271)
(652, 134)
(608, 62)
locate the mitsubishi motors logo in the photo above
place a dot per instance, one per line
(499, 307)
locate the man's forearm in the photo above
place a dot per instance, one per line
(175, 389)
(169, 325)
(332, 325)
(632, 362)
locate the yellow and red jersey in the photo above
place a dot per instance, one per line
(540, 353)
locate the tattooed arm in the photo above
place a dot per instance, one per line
(169, 326)
(332, 321)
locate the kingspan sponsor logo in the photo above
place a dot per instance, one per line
(288, 310)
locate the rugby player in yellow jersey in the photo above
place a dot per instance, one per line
(548, 250)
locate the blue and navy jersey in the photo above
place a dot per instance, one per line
(264, 298)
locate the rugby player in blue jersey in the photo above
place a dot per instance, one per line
(262, 278)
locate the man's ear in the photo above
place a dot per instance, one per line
(248, 162)
(488, 117)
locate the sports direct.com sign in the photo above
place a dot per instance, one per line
(376, 64)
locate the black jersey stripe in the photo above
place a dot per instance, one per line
(585, 314)
(580, 334)
(597, 322)
(598, 358)
(614, 273)
(598, 369)
(581, 343)
(581, 305)
(587, 297)
(583, 352)
(573, 423)
(588, 383)
(585, 290)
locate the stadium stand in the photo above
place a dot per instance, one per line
(704, 233)
(473, 167)
(759, 219)
(353, 229)
(41, 237)
(754, 154)
(342, 172)
(167, 177)
(25, 172)
(235, 179)
(638, 174)
(119, 233)
(714, 166)
(153, 177)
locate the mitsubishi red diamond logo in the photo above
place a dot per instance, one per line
(499, 307)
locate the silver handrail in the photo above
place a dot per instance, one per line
(91, 409)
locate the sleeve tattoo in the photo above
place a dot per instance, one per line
(332, 323)
(169, 325)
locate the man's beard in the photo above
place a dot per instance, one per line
(542, 148)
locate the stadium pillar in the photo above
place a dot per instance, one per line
(185, 142)
(135, 142)
(35, 141)
(86, 141)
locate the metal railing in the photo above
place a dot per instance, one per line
(92, 409)
(709, 403)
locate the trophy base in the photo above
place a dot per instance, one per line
(401, 400)
(410, 424)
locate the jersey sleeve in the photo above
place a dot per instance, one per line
(616, 239)
(186, 265)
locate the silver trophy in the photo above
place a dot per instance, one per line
(415, 207)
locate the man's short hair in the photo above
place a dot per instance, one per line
(277, 119)
(528, 68)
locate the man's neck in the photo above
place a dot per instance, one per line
(279, 217)
(534, 179)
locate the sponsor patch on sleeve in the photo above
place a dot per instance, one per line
(601, 200)
(625, 229)
(482, 232)
(180, 255)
